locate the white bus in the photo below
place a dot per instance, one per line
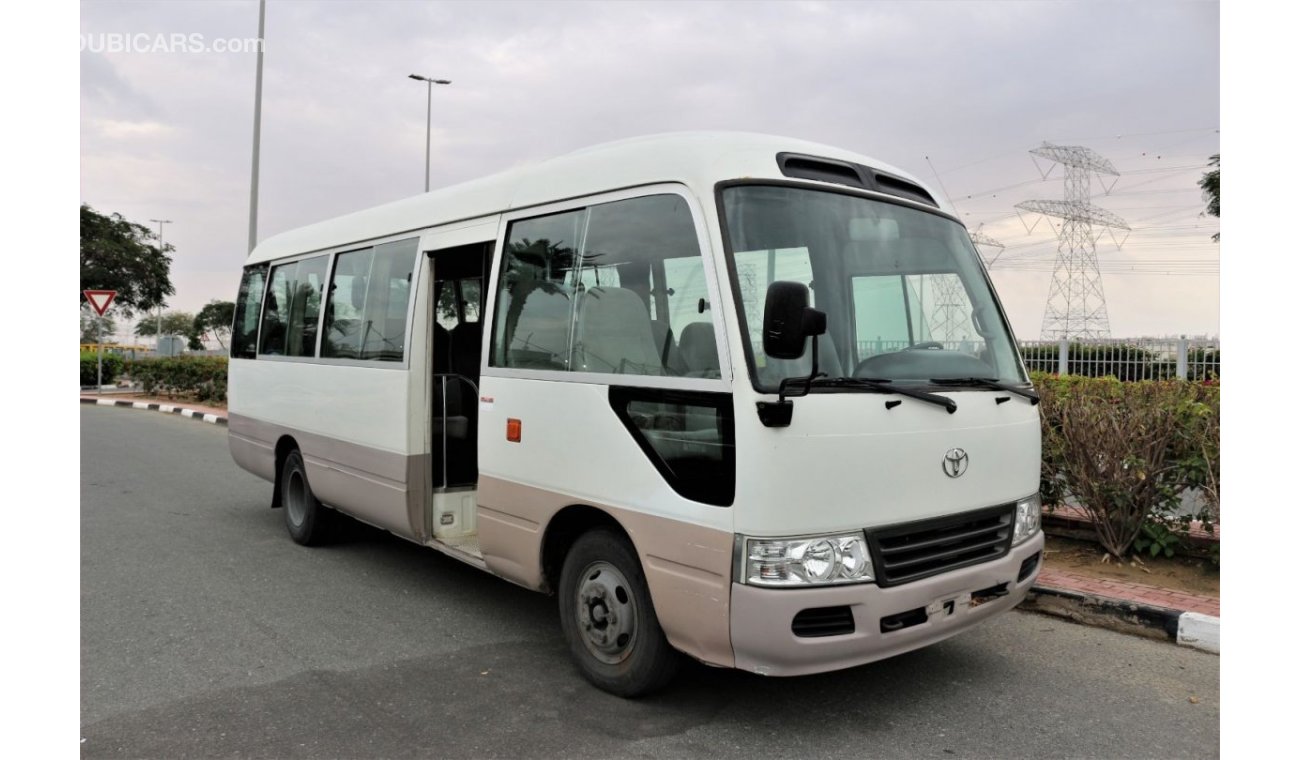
(739, 397)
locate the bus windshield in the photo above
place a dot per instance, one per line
(905, 296)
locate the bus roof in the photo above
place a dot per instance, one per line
(698, 159)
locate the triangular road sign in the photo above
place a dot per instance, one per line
(100, 300)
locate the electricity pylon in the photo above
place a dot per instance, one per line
(1076, 301)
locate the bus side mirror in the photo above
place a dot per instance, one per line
(788, 320)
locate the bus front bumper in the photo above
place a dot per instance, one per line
(762, 619)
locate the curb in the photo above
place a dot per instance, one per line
(1192, 629)
(194, 414)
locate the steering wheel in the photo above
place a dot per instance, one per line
(929, 344)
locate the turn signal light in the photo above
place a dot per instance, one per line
(514, 430)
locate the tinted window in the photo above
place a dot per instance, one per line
(248, 309)
(535, 299)
(292, 311)
(345, 314)
(689, 437)
(605, 289)
(369, 295)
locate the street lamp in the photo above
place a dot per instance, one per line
(158, 336)
(428, 124)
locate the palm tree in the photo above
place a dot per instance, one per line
(1210, 188)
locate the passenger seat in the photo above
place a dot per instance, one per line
(613, 334)
(699, 350)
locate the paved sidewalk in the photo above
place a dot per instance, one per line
(1138, 593)
(1073, 595)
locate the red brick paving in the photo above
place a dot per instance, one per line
(1128, 591)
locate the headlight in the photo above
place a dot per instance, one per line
(810, 561)
(1029, 513)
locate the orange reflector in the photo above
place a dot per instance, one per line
(514, 430)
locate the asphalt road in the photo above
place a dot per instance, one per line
(205, 632)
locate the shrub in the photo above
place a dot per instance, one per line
(1127, 451)
(89, 367)
(200, 377)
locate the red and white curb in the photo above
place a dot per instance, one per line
(1190, 629)
(194, 414)
(1199, 631)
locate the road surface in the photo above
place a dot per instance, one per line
(205, 632)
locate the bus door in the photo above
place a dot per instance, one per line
(459, 274)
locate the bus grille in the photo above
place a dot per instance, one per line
(909, 552)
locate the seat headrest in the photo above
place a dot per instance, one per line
(698, 347)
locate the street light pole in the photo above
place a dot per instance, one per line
(157, 343)
(257, 128)
(428, 123)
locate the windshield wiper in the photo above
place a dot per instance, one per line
(883, 385)
(990, 383)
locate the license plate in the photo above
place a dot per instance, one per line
(947, 606)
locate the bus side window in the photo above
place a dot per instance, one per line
(535, 304)
(277, 299)
(293, 305)
(584, 296)
(346, 306)
(365, 317)
(383, 337)
(248, 310)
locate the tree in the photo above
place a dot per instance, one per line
(90, 327)
(216, 318)
(1210, 189)
(173, 323)
(118, 255)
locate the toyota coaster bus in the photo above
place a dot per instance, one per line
(739, 397)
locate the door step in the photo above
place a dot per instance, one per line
(463, 548)
(467, 544)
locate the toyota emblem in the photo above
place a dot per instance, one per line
(955, 463)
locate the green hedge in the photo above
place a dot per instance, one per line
(202, 378)
(1127, 451)
(113, 365)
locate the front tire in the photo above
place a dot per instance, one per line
(608, 618)
(309, 522)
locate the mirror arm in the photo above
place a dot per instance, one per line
(806, 381)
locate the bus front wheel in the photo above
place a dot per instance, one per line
(608, 619)
(308, 521)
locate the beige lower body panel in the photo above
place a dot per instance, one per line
(761, 617)
(383, 488)
(687, 566)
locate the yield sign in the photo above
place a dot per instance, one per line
(100, 300)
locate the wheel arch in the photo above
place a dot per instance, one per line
(282, 449)
(563, 529)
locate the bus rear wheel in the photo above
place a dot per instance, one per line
(608, 619)
(310, 523)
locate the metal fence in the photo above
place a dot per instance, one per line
(1126, 359)
(1137, 359)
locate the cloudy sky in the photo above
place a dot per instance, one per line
(955, 92)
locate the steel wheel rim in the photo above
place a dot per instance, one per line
(296, 498)
(607, 613)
